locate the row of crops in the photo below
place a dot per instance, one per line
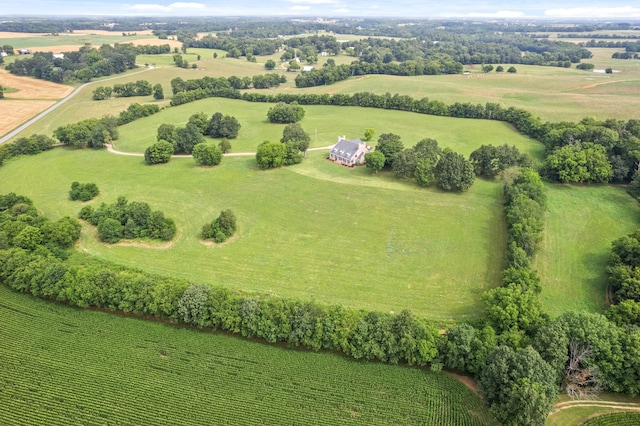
(62, 365)
(615, 419)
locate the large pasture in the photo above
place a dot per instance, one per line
(64, 366)
(306, 232)
(582, 221)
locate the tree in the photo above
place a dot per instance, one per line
(585, 66)
(578, 163)
(518, 386)
(225, 146)
(404, 166)
(223, 126)
(192, 306)
(293, 65)
(207, 155)
(83, 192)
(1, 92)
(489, 160)
(270, 64)
(487, 68)
(512, 70)
(374, 161)
(454, 173)
(187, 137)
(158, 153)
(608, 70)
(285, 113)
(368, 133)
(270, 155)
(158, 92)
(390, 145)
(201, 120)
(295, 134)
(222, 228)
(499, 68)
(101, 93)
(110, 230)
(166, 132)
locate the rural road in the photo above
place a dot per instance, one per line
(55, 106)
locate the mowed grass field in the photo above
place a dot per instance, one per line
(386, 246)
(582, 222)
(64, 366)
(325, 123)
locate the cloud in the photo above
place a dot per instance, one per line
(172, 7)
(299, 8)
(342, 10)
(314, 1)
(498, 14)
(594, 12)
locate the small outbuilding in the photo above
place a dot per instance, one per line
(349, 152)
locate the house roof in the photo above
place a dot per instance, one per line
(345, 148)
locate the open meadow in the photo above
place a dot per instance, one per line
(582, 222)
(386, 246)
(63, 366)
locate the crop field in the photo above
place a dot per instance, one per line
(27, 97)
(582, 221)
(63, 366)
(73, 41)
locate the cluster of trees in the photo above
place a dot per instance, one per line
(92, 132)
(221, 228)
(139, 88)
(219, 126)
(83, 65)
(181, 62)
(293, 144)
(182, 139)
(425, 162)
(135, 111)
(206, 87)
(1, 88)
(22, 228)
(31, 145)
(489, 160)
(624, 280)
(235, 46)
(185, 139)
(285, 113)
(124, 219)
(83, 191)
(150, 49)
(591, 150)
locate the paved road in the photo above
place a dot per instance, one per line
(22, 127)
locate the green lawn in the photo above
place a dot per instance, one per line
(326, 123)
(582, 221)
(316, 230)
(64, 366)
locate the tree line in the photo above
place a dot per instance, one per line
(82, 65)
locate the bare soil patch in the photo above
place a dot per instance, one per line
(154, 42)
(8, 34)
(61, 48)
(465, 380)
(15, 113)
(32, 88)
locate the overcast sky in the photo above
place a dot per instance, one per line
(362, 8)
